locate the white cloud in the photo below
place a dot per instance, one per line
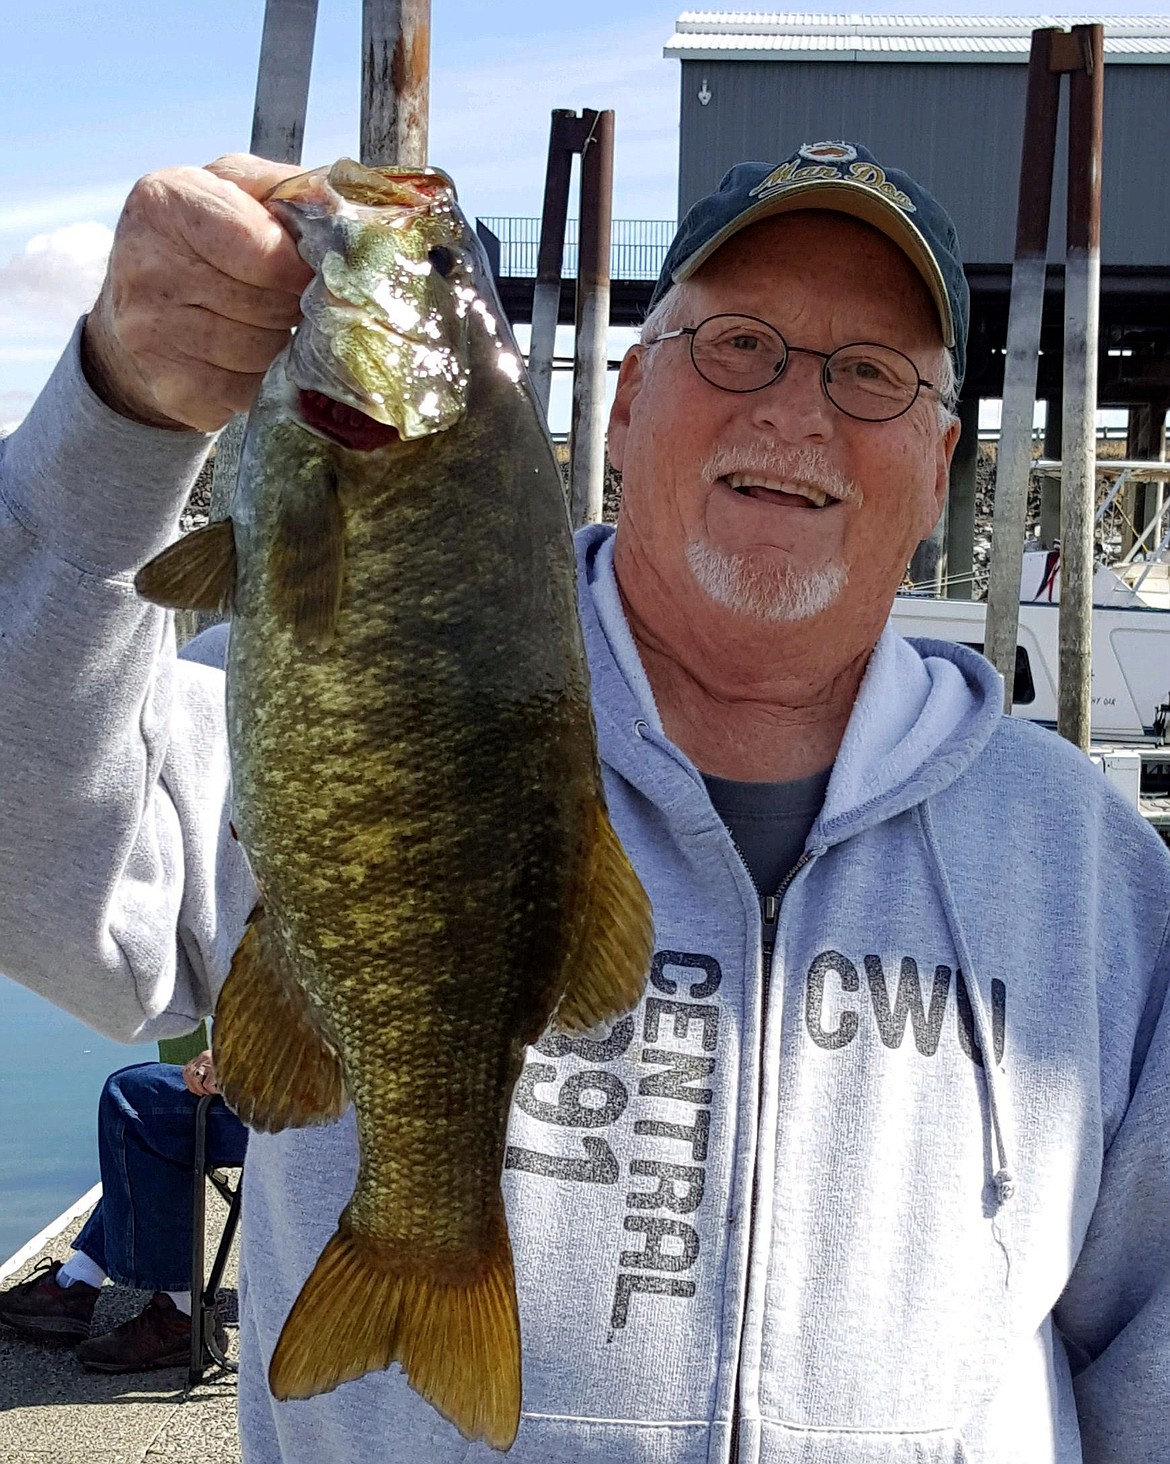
(44, 287)
(24, 215)
(55, 276)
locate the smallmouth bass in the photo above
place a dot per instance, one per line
(415, 780)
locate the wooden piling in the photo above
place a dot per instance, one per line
(1025, 313)
(1082, 283)
(587, 462)
(396, 66)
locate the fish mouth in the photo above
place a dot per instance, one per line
(342, 423)
(377, 188)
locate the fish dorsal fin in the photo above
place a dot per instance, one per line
(197, 573)
(615, 939)
(272, 1063)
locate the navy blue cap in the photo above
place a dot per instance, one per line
(846, 178)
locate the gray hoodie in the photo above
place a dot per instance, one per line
(903, 1196)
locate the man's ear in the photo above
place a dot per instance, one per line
(629, 384)
(948, 441)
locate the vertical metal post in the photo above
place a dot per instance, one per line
(396, 74)
(961, 504)
(282, 82)
(1025, 314)
(278, 129)
(1082, 282)
(587, 463)
(546, 296)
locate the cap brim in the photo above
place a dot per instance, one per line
(859, 202)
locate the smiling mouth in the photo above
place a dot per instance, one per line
(773, 490)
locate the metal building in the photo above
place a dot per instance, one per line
(943, 97)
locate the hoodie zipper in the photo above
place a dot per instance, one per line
(769, 930)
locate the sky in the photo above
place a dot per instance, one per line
(94, 95)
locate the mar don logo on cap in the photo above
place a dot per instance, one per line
(832, 167)
(828, 152)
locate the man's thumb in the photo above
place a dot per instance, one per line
(256, 176)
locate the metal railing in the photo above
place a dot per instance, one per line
(637, 247)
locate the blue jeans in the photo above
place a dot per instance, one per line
(140, 1232)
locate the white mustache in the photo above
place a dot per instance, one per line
(806, 465)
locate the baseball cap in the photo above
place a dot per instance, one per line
(843, 177)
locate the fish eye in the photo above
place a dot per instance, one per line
(442, 260)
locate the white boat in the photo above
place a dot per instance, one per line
(1130, 668)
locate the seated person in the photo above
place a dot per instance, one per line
(140, 1231)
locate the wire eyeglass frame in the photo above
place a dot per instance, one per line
(824, 356)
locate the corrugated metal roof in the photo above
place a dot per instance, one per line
(724, 34)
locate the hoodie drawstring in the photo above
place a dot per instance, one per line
(1004, 1178)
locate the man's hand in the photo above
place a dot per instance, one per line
(202, 289)
(199, 1076)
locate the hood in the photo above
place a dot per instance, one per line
(925, 711)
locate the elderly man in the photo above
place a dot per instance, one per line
(878, 1171)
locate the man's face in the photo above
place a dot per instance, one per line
(705, 513)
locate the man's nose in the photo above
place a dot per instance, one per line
(794, 407)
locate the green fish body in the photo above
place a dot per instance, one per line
(415, 781)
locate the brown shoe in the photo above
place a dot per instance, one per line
(40, 1309)
(159, 1336)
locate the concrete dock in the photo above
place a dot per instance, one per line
(52, 1411)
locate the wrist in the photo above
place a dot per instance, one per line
(104, 382)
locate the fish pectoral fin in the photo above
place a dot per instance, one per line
(308, 562)
(272, 1065)
(615, 941)
(196, 573)
(457, 1338)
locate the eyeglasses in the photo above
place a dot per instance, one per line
(740, 353)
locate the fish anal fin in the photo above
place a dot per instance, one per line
(615, 939)
(198, 572)
(458, 1339)
(272, 1064)
(308, 562)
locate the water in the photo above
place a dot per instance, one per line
(52, 1068)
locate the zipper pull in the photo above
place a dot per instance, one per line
(769, 915)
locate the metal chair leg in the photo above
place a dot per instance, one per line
(207, 1309)
(203, 1341)
(198, 1241)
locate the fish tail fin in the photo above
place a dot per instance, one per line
(272, 1065)
(458, 1340)
(616, 939)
